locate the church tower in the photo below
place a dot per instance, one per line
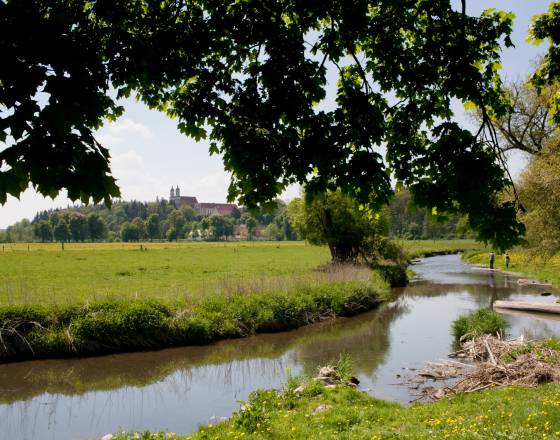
(171, 194)
(177, 192)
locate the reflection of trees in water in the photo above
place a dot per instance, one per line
(51, 415)
(483, 295)
(141, 382)
(367, 344)
(229, 361)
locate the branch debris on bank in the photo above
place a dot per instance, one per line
(490, 361)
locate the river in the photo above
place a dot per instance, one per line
(177, 389)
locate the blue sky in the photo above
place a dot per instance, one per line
(149, 154)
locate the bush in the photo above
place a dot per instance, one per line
(481, 322)
(121, 324)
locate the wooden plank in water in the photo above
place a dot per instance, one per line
(541, 316)
(528, 306)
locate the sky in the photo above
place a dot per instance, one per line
(149, 155)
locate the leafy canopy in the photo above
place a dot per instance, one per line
(249, 75)
(547, 27)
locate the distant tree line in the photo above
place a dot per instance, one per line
(404, 220)
(161, 220)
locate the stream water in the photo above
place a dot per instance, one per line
(178, 389)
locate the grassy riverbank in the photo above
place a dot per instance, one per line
(346, 413)
(309, 408)
(39, 331)
(522, 263)
(98, 298)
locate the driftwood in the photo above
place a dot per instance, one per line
(479, 349)
(528, 306)
(525, 366)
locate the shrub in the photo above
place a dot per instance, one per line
(121, 324)
(478, 323)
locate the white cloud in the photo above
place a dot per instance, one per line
(127, 160)
(136, 179)
(123, 131)
(210, 188)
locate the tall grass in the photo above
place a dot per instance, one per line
(98, 327)
(478, 323)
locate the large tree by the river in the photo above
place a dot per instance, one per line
(251, 75)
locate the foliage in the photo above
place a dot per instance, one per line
(61, 232)
(139, 223)
(53, 143)
(78, 224)
(176, 220)
(410, 222)
(547, 27)
(172, 234)
(152, 227)
(478, 323)
(351, 233)
(220, 227)
(539, 191)
(273, 232)
(130, 232)
(252, 84)
(527, 124)
(154, 221)
(43, 231)
(251, 227)
(333, 219)
(97, 227)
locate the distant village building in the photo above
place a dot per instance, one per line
(200, 208)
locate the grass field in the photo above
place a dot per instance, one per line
(87, 272)
(523, 263)
(43, 273)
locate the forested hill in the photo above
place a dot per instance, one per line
(135, 220)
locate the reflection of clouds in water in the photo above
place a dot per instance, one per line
(534, 329)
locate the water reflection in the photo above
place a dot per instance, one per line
(176, 389)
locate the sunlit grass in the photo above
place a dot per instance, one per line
(82, 272)
(345, 413)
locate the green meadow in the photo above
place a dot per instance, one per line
(165, 271)
(44, 273)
